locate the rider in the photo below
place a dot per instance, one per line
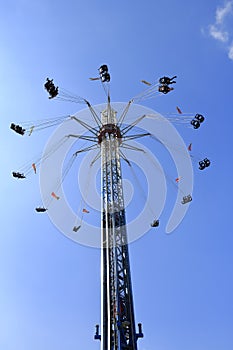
(165, 89)
(167, 80)
(18, 175)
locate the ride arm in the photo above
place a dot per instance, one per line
(87, 126)
(129, 127)
(82, 137)
(86, 149)
(132, 137)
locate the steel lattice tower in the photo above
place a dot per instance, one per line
(118, 331)
(117, 310)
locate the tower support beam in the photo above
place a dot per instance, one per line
(117, 315)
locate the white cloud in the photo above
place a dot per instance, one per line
(222, 12)
(220, 30)
(218, 34)
(230, 52)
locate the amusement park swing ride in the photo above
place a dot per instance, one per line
(108, 134)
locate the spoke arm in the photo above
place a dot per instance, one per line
(125, 158)
(82, 137)
(86, 149)
(129, 127)
(125, 145)
(96, 158)
(87, 126)
(94, 114)
(122, 117)
(132, 137)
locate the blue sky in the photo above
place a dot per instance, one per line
(50, 286)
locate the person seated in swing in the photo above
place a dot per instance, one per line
(105, 77)
(13, 126)
(50, 88)
(202, 165)
(199, 117)
(195, 123)
(17, 128)
(155, 223)
(165, 89)
(18, 175)
(207, 162)
(167, 80)
(187, 199)
(53, 92)
(103, 69)
(49, 84)
(41, 209)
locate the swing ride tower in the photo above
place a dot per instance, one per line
(109, 134)
(117, 310)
